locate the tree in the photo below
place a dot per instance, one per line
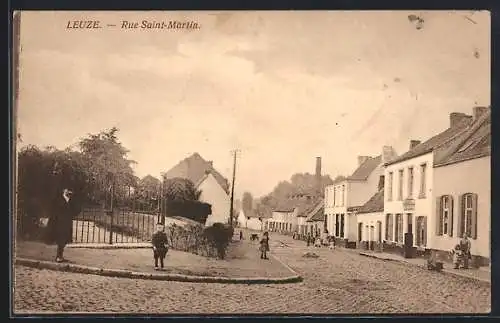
(107, 164)
(300, 184)
(247, 202)
(180, 189)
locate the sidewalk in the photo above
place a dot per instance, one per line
(482, 274)
(242, 263)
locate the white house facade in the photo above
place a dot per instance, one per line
(250, 221)
(346, 195)
(409, 189)
(213, 194)
(282, 221)
(370, 220)
(462, 190)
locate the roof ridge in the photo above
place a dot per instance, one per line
(474, 127)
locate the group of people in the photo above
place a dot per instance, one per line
(319, 240)
(462, 253)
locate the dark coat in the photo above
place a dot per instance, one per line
(159, 240)
(60, 226)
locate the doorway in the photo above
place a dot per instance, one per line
(409, 229)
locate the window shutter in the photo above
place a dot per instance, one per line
(450, 216)
(474, 217)
(461, 216)
(439, 217)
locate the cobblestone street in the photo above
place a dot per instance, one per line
(339, 281)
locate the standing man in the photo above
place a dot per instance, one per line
(465, 247)
(64, 209)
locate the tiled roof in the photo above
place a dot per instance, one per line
(253, 214)
(473, 143)
(374, 204)
(195, 168)
(433, 143)
(303, 205)
(339, 179)
(365, 169)
(317, 212)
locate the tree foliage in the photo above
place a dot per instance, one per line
(300, 184)
(247, 202)
(107, 163)
(180, 189)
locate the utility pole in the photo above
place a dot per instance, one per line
(235, 152)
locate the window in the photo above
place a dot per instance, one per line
(389, 186)
(337, 225)
(444, 215)
(468, 215)
(335, 196)
(410, 182)
(343, 195)
(421, 232)
(399, 228)
(423, 176)
(389, 228)
(400, 185)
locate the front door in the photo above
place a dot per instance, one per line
(360, 231)
(410, 225)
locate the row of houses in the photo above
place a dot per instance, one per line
(426, 198)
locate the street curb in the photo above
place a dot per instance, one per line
(108, 246)
(287, 267)
(74, 268)
(444, 271)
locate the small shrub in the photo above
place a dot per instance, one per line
(209, 242)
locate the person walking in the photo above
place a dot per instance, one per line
(264, 246)
(60, 223)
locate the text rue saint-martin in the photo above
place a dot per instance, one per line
(124, 24)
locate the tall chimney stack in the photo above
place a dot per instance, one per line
(318, 173)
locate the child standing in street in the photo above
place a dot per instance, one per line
(264, 246)
(159, 241)
(457, 256)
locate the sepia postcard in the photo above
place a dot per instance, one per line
(251, 162)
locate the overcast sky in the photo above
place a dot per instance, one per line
(283, 87)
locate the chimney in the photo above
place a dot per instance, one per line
(362, 159)
(388, 153)
(414, 143)
(477, 112)
(318, 173)
(211, 163)
(457, 118)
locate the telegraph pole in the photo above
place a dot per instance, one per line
(235, 152)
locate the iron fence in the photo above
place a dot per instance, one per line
(121, 225)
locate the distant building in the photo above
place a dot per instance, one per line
(347, 194)
(214, 187)
(251, 220)
(370, 218)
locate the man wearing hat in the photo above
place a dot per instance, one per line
(64, 209)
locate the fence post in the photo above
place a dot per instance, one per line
(111, 214)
